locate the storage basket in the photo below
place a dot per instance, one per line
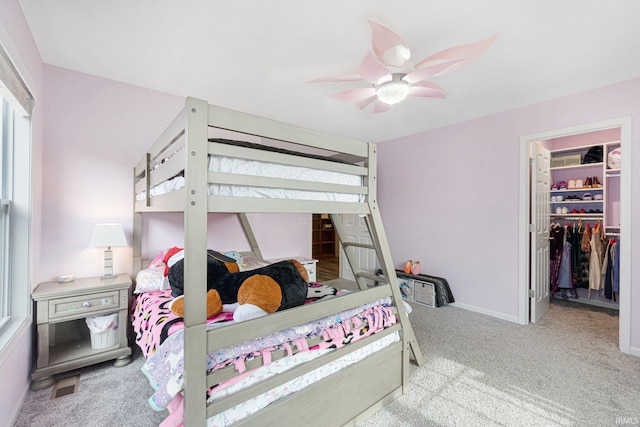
(103, 330)
(568, 160)
(424, 293)
(406, 288)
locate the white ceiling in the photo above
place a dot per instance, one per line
(256, 56)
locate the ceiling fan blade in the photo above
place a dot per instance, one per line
(426, 92)
(365, 102)
(380, 107)
(373, 71)
(429, 71)
(388, 46)
(338, 78)
(464, 54)
(354, 94)
(429, 85)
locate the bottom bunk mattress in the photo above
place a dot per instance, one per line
(159, 334)
(243, 381)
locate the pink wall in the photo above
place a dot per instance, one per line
(96, 129)
(279, 235)
(449, 197)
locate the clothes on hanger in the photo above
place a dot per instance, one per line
(565, 279)
(610, 267)
(556, 236)
(571, 266)
(579, 259)
(586, 239)
(595, 262)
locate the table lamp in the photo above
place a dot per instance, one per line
(108, 235)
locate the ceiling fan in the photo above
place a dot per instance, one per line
(392, 74)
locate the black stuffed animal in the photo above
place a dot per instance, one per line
(252, 293)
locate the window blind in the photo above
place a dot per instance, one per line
(12, 87)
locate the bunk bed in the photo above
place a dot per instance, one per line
(187, 153)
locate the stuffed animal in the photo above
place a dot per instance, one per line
(249, 294)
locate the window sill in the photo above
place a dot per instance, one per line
(11, 333)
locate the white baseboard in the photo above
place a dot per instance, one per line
(20, 331)
(491, 313)
(634, 351)
(16, 411)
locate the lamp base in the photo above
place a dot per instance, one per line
(108, 265)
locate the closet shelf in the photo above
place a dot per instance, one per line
(565, 202)
(577, 215)
(570, 190)
(580, 166)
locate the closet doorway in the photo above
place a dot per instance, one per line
(537, 208)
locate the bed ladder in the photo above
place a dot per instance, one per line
(380, 245)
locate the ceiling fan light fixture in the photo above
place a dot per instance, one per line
(394, 91)
(392, 76)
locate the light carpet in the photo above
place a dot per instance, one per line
(479, 371)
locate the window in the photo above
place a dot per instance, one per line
(6, 166)
(6, 138)
(16, 104)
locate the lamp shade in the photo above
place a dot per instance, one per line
(107, 235)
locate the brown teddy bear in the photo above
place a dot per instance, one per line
(249, 294)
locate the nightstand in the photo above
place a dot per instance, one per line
(308, 263)
(64, 339)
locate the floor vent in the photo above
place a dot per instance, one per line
(65, 386)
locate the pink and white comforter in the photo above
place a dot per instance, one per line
(159, 333)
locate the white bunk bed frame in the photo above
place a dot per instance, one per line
(357, 391)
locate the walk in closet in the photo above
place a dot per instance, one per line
(585, 217)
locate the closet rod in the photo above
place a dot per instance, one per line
(610, 233)
(581, 218)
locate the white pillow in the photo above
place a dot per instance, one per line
(151, 280)
(251, 263)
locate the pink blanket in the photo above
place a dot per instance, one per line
(153, 322)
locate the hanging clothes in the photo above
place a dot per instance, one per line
(616, 267)
(565, 278)
(580, 265)
(607, 271)
(586, 239)
(556, 236)
(576, 239)
(595, 263)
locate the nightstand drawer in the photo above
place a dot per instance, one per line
(311, 270)
(72, 306)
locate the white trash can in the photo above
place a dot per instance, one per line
(104, 330)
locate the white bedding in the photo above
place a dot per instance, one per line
(271, 170)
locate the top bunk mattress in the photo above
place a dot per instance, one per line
(258, 169)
